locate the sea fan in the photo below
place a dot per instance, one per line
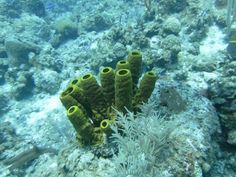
(140, 138)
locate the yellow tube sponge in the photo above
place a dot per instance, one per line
(92, 91)
(81, 123)
(146, 88)
(122, 64)
(77, 94)
(67, 100)
(105, 126)
(135, 61)
(107, 77)
(123, 90)
(77, 117)
(94, 95)
(90, 106)
(76, 82)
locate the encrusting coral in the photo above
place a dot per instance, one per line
(91, 106)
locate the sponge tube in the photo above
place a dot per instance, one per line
(107, 77)
(122, 64)
(135, 61)
(67, 100)
(123, 90)
(146, 87)
(81, 124)
(105, 126)
(92, 91)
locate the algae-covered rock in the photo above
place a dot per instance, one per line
(172, 43)
(119, 34)
(222, 92)
(21, 80)
(47, 81)
(171, 46)
(225, 166)
(10, 9)
(18, 51)
(172, 26)
(74, 161)
(141, 41)
(66, 29)
(173, 6)
(201, 64)
(119, 50)
(97, 22)
(48, 58)
(197, 130)
(34, 6)
(170, 98)
(8, 138)
(14, 9)
(220, 3)
(220, 18)
(153, 28)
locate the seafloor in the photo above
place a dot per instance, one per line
(45, 44)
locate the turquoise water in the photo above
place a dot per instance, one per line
(169, 112)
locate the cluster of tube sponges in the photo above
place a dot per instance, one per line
(91, 106)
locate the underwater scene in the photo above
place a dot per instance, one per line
(118, 88)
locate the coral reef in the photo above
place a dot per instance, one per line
(182, 141)
(222, 93)
(15, 153)
(86, 100)
(48, 81)
(43, 43)
(74, 161)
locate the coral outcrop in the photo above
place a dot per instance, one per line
(223, 95)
